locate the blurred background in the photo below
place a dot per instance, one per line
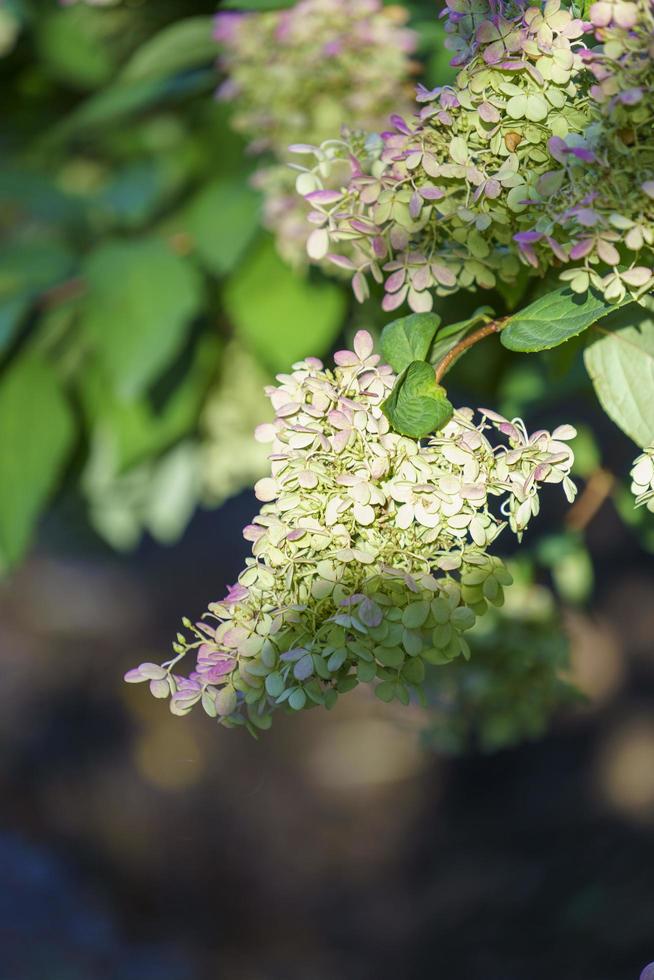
(149, 289)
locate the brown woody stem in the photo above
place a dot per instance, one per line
(445, 364)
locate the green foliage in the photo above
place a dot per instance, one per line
(621, 366)
(179, 47)
(417, 405)
(281, 316)
(221, 245)
(554, 318)
(36, 434)
(140, 302)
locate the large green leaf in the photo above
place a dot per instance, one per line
(408, 339)
(554, 318)
(36, 432)
(25, 271)
(185, 44)
(621, 366)
(222, 221)
(140, 302)
(279, 314)
(126, 98)
(417, 405)
(72, 48)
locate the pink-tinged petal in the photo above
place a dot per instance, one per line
(564, 432)
(587, 217)
(557, 249)
(400, 125)
(345, 358)
(340, 440)
(323, 197)
(338, 419)
(265, 432)
(395, 281)
(492, 188)
(318, 244)
(558, 148)
(252, 532)
(360, 287)
(236, 593)
(342, 261)
(608, 253)
(379, 247)
(265, 489)
(421, 278)
(431, 193)
(581, 249)
(443, 275)
(415, 205)
(363, 344)
(365, 227)
(489, 113)
(370, 613)
(392, 301)
(637, 276)
(302, 148)
(235, 636)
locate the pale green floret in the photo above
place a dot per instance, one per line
(642, 479)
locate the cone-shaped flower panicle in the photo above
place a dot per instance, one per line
(540, 155)
(371, 553)
(298, 75)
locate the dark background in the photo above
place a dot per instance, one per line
(136, 844)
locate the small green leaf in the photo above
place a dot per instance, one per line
(408, 339)
(554, 318)
(621, 367)
(36, 432)
(140, 302)
(417, 405)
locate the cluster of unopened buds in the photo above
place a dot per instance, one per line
(371, 554)
(540, 155)
(642, 479)
(302, 73)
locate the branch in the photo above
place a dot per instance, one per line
(597, 489)
(463, 345)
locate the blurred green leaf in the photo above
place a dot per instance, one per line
(222, 220)
(280, 315)
(36, 432)
(133, 431)
(408, 339)
(621, 367)
(554, 318)
(71, 49)
(25, 271)
(417, 405)
(140, 301)
(185, 44)
(256, 4)
(125, 98)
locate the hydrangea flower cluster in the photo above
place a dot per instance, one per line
(514, 165)
(602, 205)
(300, 74)
(370, 554)
(642, 479)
